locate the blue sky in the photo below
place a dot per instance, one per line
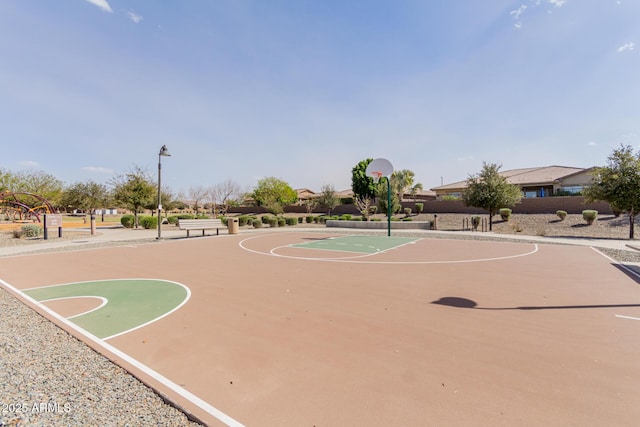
(304, 90)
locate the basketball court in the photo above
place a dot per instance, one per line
(295, 328)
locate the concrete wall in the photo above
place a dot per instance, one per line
(535, 205)
(381, 225)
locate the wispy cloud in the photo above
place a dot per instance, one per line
(134, 16)
(28, 163)
(98, 169)
(557, 3)
(591, 144)
(102, 4)
(516, 15)
(627, 47)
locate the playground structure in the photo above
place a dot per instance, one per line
(21, 206)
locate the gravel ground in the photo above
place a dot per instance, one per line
(49, 378)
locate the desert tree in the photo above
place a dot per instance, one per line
(490, 191)
(328, 199)
(618, 183)
(133, 190)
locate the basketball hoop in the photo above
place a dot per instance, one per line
(376, 176)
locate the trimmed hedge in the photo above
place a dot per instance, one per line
(589, 215)
(561, 214)
(148, 222)
(505, 214)
(127, 221)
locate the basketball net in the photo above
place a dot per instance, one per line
(376, 176)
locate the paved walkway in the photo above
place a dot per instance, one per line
(121, 234)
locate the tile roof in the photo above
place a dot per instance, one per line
(526, 176)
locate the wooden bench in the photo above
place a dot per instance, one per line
(200, 224)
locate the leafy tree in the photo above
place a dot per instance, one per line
(134, 190)
(35, 182)
(490, 191)
(361, 184)
(274, 194)
(383, 195)
(8, 180)
(85, 196)
(618, 183)
(328, 198)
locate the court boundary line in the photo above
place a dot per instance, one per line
(355, 261)
(205, 406)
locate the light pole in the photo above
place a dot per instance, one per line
(163, 152)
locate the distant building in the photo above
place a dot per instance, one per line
(535, 182)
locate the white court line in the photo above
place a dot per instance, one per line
(103, 299)
(355, 260)
(214, 412)
(627, 317)
(624, 267)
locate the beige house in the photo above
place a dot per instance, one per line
(534, 182)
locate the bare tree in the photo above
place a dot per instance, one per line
(197, 194)
(310, 205)
(364, 205)
(225, 195)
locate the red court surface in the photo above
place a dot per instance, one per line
(434, 332)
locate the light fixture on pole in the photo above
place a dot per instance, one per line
(163, 152)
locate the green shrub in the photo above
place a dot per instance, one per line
(561, 214)
(356, 218)
(272, 221)
(589, 215)
(265, 219)
(30, 230)
(243, 219)
(407, 211)
(346, 217)
(224, 220)
(300, 220)
(282, 222)
(290, 220)
(256, 223)
(173, 219)
(316, 219)
(407, 219)
(127, 221)
(505, 214)
(149, 222)
(419, 208)
(375, 219)
(309, 219)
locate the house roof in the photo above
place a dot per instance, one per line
(525, 176)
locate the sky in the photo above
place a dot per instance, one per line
(303, 90)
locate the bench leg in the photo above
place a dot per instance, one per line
(203, 232)
(187, 233)
(217, 231)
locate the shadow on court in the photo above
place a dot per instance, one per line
(467, 303)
